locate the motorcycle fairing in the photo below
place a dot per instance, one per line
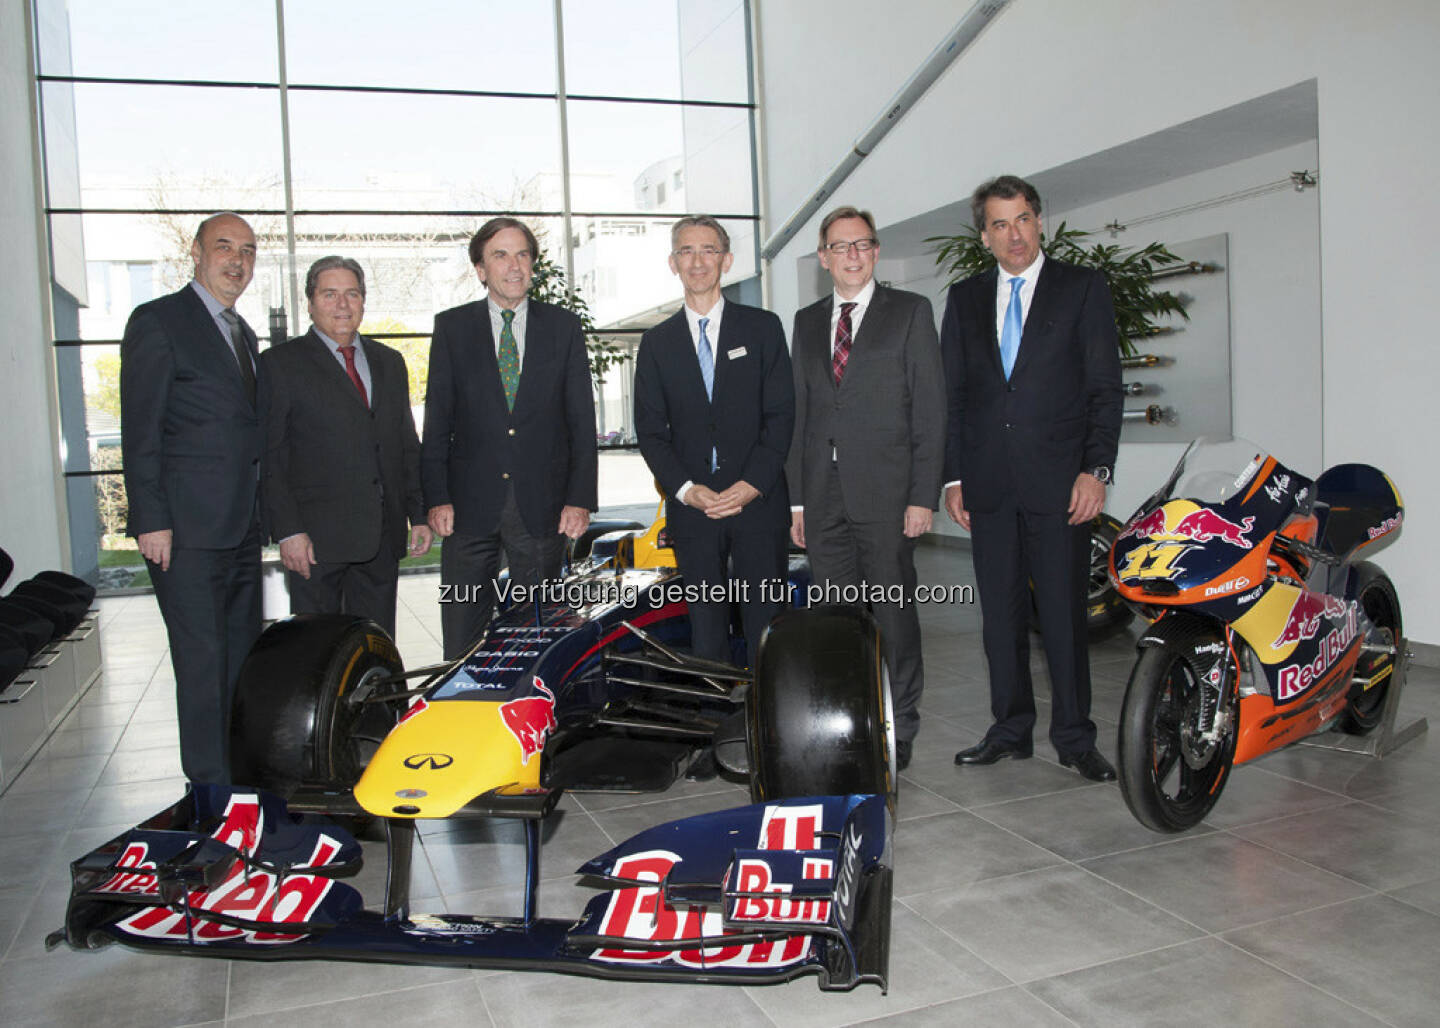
(688, 922)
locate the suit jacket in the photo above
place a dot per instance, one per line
(190, 434)
(1059, 413)
(749, 421)
(474, 446)
(885, 421)
(340, 471)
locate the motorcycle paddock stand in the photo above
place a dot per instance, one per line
(1386, 738)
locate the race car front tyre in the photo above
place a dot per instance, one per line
(294, 721)
(820, 720)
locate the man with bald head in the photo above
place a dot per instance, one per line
(189, 386)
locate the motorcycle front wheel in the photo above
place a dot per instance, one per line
(1170, 776)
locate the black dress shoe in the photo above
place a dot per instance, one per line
(988, 751)
(904, 750)
(1090, 764)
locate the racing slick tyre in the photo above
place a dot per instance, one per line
(1105, 612)
(1381, 606)
(1169, 776)
(292, 722)
(819, 711)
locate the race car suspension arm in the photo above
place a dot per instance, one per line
(712, 671)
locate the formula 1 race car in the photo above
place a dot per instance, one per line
(582, 686)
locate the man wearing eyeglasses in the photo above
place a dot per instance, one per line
(190, 391)
(714, 408)
(865, 465)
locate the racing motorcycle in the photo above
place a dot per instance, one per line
(1266, 626)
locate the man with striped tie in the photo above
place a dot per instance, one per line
(865, 466)
(1032, 373)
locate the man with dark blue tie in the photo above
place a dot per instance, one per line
(714, 409)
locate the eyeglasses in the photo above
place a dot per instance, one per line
(686, 252)
(859, 245)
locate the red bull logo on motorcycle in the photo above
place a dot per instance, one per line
(1198, 524)
(1384, 528)
(530, 720)
(1306, 617)
(1294, 679)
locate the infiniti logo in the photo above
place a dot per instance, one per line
(434, 761)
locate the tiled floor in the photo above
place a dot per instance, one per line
(1024, 895)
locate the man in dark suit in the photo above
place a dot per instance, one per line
(509, 459)
(342, 460)
(866, 462)
(714, 409)
(191, 441)
(1032, 371)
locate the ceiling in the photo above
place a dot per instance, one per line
(1262, 125)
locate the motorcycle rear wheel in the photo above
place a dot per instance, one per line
(1379, 603)
(1166, 790)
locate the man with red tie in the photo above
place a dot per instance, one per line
(341, 469)
(865, 465)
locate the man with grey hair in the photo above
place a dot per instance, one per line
(714, 408)
(342, 460)
(1032, 373)
(190, 434)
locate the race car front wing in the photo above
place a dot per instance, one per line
(755, 894)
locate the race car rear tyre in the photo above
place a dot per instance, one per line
(1169, 776)
(1378, 601)
(819, 712)
(1105, 611)
(577, 550)
(292, 723)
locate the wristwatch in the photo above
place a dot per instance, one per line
(1102, 472)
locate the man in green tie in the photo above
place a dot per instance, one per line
(508, 460)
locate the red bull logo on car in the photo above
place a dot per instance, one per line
(1196, 524)
(530, 720)
(248, 892)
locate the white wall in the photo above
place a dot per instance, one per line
(1052, 81)
(30, 516)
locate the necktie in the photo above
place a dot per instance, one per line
(1014, 326)
(707, 372)
(348, 352)
(509, 359)
(242, 351)
(843, 339)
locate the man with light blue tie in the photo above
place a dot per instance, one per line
(714, 410)
(1032, 373)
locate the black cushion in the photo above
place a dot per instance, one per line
(77, 587)
(13, 656)
(71, 607)
(34, 630)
